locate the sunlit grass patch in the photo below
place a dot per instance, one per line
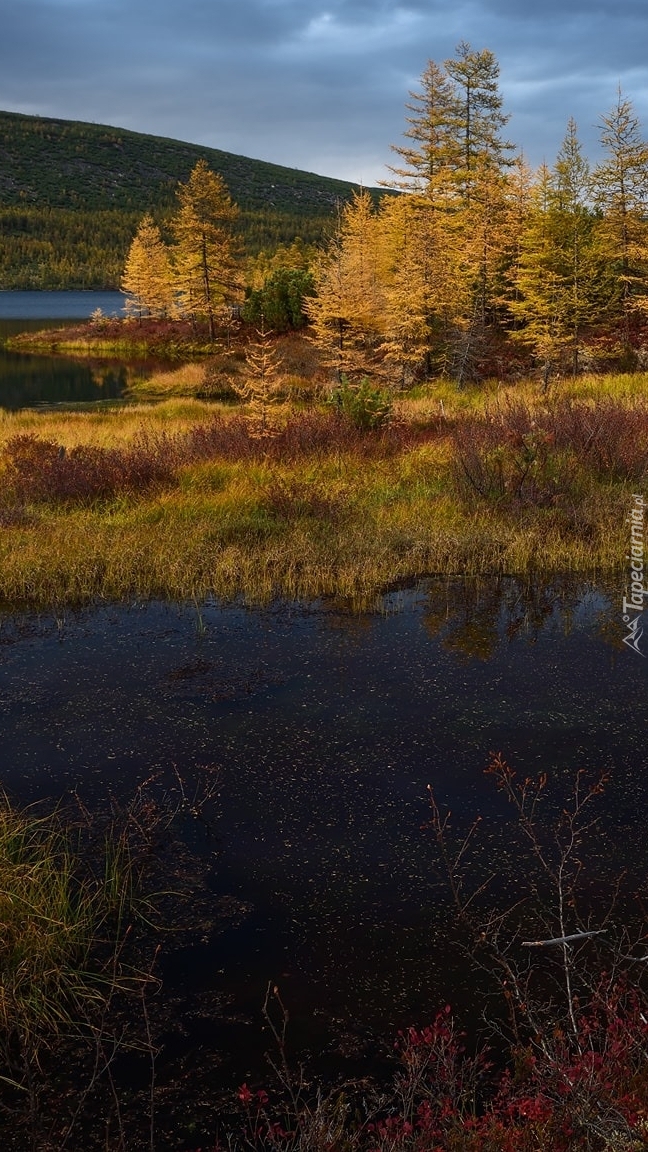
(183, 499)
(189, 380)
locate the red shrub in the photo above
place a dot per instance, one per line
(41, 470)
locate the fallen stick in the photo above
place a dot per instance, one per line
(562, 939)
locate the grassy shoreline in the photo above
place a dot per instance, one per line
(108, 337)
(321, 509)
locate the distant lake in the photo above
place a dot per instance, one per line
(29, 380)
(58, 305)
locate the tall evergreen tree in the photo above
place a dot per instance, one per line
(573, 228)
(426, 292)
(519, 190)
(407, 298)
(543, 288)
(483, 185)
(207, 252)
(479, 117)
(434, 151)
(456, 164)
(557, 274)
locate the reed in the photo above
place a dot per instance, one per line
(63, 919)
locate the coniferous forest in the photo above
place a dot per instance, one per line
(71, 196)
(470, 265)
(484, 265)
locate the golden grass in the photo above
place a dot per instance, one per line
(105, 427)
(443, 396)
(189, 380)
(299, 377)
(218, 535)
(331, 524)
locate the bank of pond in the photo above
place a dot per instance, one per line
(189, 497)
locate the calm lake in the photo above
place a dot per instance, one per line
(29, 381)
(326, 729)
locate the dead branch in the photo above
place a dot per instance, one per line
(562, 939)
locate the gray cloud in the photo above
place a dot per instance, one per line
(312, 84)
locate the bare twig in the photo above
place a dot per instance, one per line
(562, 939)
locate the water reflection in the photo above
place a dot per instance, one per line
(36, 380)
(327, 729)
(470, 617)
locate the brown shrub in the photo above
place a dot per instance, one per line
(38, 470)
(534, 456)
(610, 436)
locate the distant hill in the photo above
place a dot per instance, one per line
(71, 195)
(69, 164)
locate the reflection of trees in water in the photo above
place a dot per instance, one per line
(27, 379)
(472, 616)
(357, 627)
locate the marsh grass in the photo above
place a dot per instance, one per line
(181, 499)
(65, 907)
(109, 428)
(221, 376)
(87, 900)
(189, 380)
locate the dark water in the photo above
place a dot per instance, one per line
(327, 729)
(31, 380)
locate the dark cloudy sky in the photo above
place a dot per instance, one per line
(314, 84)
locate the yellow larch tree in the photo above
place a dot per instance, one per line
(425, 287)
(260, 388)
(347, 312)
(207, 254)
(147, 280)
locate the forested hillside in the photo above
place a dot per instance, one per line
(71, 196)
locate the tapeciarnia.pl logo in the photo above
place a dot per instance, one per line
(634, 602)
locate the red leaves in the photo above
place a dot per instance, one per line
(245, 1095)
(41, 470)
